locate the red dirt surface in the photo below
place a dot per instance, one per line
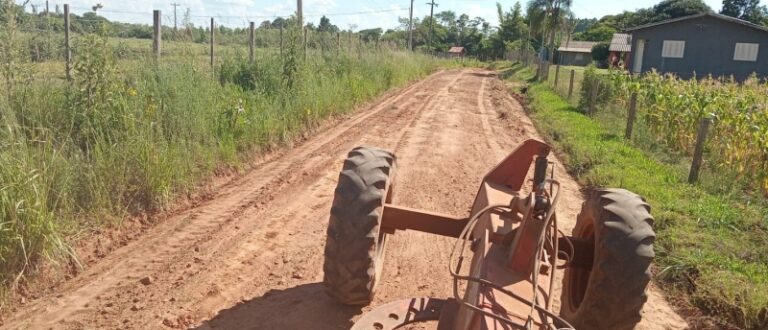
(250, 257)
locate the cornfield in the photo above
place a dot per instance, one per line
(673, 109)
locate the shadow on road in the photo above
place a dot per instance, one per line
(302, 307)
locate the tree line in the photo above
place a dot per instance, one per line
(539, 26)
(601, 30)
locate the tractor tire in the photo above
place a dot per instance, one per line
(354, 248)
(612, 293)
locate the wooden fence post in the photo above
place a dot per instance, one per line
(557, 75)
(157, 36)
(67, 49)
(698, 152)
(593, 99)
(338, 43)
(251, 40)
(213, 40)
(525, 57)
(281, 40)
(570, 85)
(306, 31)
(631, 116)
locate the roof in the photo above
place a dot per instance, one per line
(621, 42)
(577, 47)
(714, 15)
(456, 50)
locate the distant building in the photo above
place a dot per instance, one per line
(702, 44)
(578, 53)
(457, 52)
(620, 50)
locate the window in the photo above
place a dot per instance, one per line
(673, 49)
(746, 52)
(579, 56)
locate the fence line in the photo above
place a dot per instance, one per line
(49, 38)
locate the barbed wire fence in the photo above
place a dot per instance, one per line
(48, 38)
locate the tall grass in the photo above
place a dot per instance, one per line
(127, 137)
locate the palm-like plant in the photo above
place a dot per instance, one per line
(546, 17)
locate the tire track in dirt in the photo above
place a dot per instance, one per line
(251, 257)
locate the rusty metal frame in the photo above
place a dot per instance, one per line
(404, 218)
(501, 185)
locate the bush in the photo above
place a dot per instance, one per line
(600, 54)
(594, 80)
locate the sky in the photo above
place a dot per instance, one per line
(343, 13)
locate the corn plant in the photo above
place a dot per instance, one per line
(674, 107)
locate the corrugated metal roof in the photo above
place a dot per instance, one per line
(577, 47)
(718, 16)
(621, 42)
(456, 50)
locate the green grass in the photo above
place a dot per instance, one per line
(564, 80)
(128, 136)
(712, 247)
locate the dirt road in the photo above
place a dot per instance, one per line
(251, 256)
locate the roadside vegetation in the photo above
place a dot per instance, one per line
(711, 246)
(127, 137)
(673, 109)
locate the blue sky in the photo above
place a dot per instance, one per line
(344, 13)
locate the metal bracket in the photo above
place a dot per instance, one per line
(399, 313)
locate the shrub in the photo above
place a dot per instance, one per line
(600, 54)
(598, 83)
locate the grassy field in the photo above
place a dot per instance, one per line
(128, 135)
(710, 247)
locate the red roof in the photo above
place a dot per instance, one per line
(456, 50)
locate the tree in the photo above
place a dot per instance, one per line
(669, 9)
(550, 15)
(583, 24)
(371, 35)
(326, 26)
(600, 53)
(279, 23)
(597, 32)
(748, 10)
(512, 31)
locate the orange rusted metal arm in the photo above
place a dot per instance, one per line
(403, 218)
(512, 170)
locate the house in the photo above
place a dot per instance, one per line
(620, 50)
(457, 52)
(577, 53)
(701, 45)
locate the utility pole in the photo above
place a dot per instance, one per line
(431, 22)
(251, 40)
(410, 29)
(157, 35)
(300, 14)
(67, 49)
(175, 26)
(213, 41)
